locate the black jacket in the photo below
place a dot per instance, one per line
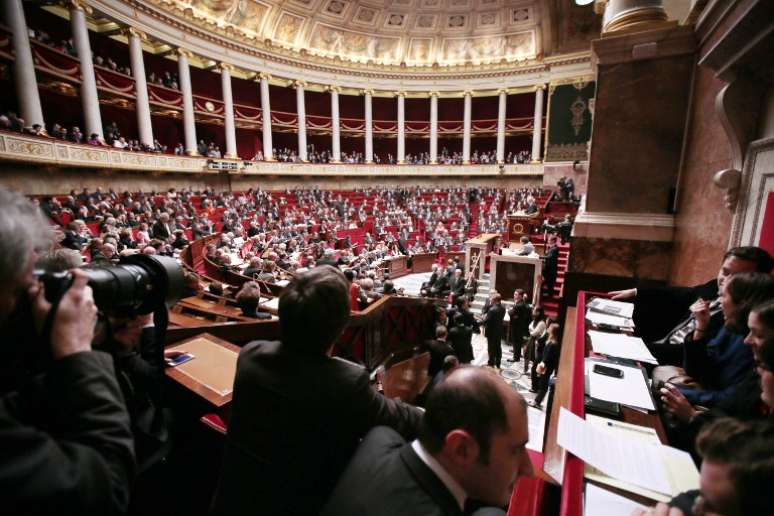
(66, 441)
(295, 422)
(387, 478)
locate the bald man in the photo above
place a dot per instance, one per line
(471, 448)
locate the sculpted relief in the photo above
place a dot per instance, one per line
(347, 43)
(519, 45)
(246, 14)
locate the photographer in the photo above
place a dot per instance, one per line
(66, 442)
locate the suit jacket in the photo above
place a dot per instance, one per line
(387, 478)
(457, 286)
(295, 422)
(160, 231)
(493, 321)
(551, 262)
(658, 310)
(461, 338)
(520, 314)
(439, 350)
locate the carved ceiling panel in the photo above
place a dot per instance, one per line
(394, 32)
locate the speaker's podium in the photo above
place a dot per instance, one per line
(522, 224)
(508, 271)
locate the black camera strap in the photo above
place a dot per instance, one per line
(48, 323)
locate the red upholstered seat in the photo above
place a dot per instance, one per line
(214, 422)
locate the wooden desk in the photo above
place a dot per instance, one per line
(397, 266)
(480, 245)
(210, 375)
(423, 262)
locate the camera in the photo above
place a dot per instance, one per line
(138, 284)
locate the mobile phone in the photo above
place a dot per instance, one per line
(608, 371)
(177, 359)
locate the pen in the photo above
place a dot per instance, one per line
(630, 427)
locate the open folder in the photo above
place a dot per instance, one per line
(627, 456)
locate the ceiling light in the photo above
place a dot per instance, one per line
(583, 2)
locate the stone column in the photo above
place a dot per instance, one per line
(627, 15)
(401, 157)
(537, 123)
(301, 110)
(23, 67)
(89, 96)
(369, 126)
(468, 96)
(268, 149)
(433, 127)
(335, 129)
(142, 104)
(189, 122)
(228, 110)
(503, 97)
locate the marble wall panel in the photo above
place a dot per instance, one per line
(703, 223)
(637, 259)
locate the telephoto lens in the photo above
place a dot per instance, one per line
(139, 284)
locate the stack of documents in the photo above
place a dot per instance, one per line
(601, 502)
(631, 389)
(627, 456)
(613, 314)
(621, 346)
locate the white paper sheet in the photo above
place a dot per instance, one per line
(536, 421)
(272, 304)
(601, 502)
(621, 346)
(630, 390)
(610, 307)
(599, 318)
(615, 454)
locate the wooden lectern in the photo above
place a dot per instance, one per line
(519, 225)
(510, 272)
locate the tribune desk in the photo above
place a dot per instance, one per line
(559, 482)
(510, 271)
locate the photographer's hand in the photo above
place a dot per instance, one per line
(73, 327)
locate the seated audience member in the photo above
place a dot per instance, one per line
(720, 363)
(73, 239)
(663, 316)
(254, 267)
(737, 472)
(745, 403)
(65, 431)
(527, 247)
(297, 413)
(59, 260)
(248, 299)
(180, 240)
(450, 363)
(471, 448)
(192, 284)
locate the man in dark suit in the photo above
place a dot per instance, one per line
(520, 315)
(162, 228)
(439, 350)
(663, 316)
(550, 265)
(297, 413)
(457, 284)
(471, 448)
(461, 336)
(493, 323)
(441, 286)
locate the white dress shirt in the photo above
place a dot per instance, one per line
(452, 485)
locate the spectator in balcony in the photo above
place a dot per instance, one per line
(76, 136)
(202, 148)
(258, 156)
(5, 122)
(35, 130)
(120, 143)
(94, 140)
(99, 61)
(158, 147)
(17, 123)
(179, 150)
(59, 132)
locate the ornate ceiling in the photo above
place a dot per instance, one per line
(412, 33)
